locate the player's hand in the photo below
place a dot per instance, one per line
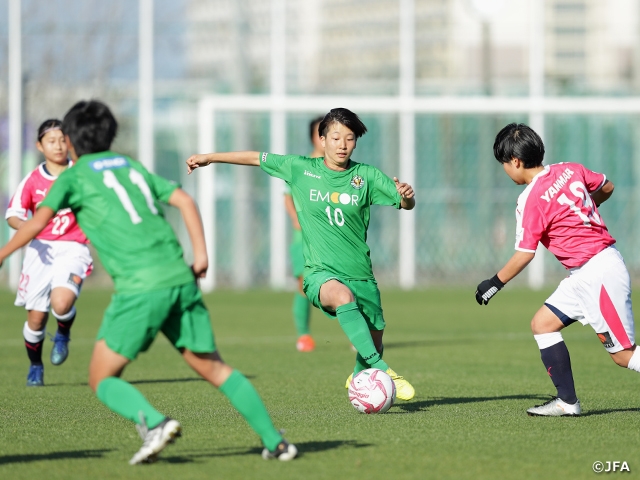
(199, 267)
(404, 189)
(195, 161)
(487, 289)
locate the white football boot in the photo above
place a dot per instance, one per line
(555, 408)
(155, 440)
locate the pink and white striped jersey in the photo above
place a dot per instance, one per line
(556, 209)
(31, 191)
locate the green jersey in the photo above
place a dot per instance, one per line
(333, 210)
(115, 201)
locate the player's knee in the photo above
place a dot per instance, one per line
(61, 306)
(343, 296)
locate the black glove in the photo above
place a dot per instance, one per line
(487, 289)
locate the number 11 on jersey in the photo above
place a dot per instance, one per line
(137, 179)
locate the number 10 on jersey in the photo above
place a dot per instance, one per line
(338, 217)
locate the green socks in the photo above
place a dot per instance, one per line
(125, 400)
(246, 400)
(361, 364)
(301, 313)
(356, 329)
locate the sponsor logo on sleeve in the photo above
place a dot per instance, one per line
(264, 156)
(75, 280)
(108, 164)
(605, 338)
(357, 182)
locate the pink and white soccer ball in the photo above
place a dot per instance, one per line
(372, 391)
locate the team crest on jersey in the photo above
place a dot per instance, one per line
(357, 182)
(605, 338)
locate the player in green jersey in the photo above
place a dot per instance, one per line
(301, 305)
(117, 203)
(332, 196)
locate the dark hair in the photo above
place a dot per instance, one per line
(91, 127)
(47, 126)
(344, 117)
(519, 141)
(313, 126)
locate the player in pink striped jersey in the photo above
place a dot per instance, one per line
(558, 208)
(56, 262)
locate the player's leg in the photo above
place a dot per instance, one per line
(64, 311)
(190, 331)
(33, 294)
(130, 324)
(72, 263)
(369, 301)
(336, 297)
(301, 307)
(546, 326)
(301, 315)
(244, 398)
(33, 333)
(613, 319)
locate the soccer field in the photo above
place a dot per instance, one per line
(475, 370)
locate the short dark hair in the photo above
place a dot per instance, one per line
(313, 126)
(344, 117)
(519, 141)
(47, 126)
(91, 127)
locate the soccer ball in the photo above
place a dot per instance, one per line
(372, 391)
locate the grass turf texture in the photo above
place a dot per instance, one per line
(475, 369)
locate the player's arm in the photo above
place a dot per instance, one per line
(15, 222)
(191, 216)
(291, 211)
(603, 194)
(27, 232)
(488, 288)
(236, 158)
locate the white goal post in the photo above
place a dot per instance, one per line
(406, 107)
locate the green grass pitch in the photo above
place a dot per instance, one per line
(475, 369)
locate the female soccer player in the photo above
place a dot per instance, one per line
(301, 305)
(332, 196)
(118, 204)
(56, 261)
(558, 208)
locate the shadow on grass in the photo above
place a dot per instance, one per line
(609, 410)
(430, 343)
(421, 405)
(167, 380)
(139, 382)
(303, 448)
(175, 380)
(34, 457)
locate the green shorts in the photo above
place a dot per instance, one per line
(365, 292)
(132, 321)
(295, 252)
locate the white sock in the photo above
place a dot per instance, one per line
(546, 340)
(634, 361)
(63, 318)
(32, 336)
